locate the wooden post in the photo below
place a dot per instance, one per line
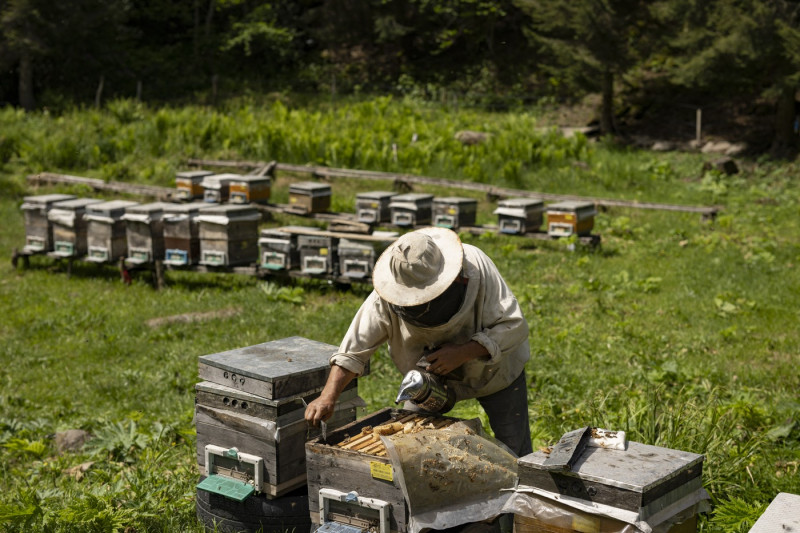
(698, 126)
(214, 82)
(99, 93)
(138, 90)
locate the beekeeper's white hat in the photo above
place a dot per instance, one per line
(418, 267)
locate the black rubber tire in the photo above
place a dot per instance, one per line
(287, 514)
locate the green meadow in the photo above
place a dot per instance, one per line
(681, 331)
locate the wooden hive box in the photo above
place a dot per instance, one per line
(309, 197)
(642, 478)
(519, 215)
(38, 229)
(69, 226)
(182, 233)
(217, 187)
(189, 184)
(454, 212)
(356, 259)
(229, 235)
(570, 218)
(250, 189)
(782, 515)
(106, 238)
(144, 230)
(353, 459)
(278, 248)
(412, 209)
(318, 253)
(372, 207)
(278, 441)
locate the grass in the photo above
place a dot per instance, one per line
(680, 331)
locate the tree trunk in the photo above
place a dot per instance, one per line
(26, 99)
(784, 143)
(607, 111)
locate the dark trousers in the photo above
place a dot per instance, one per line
(508, 415)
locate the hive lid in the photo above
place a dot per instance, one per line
(222, 214)
(521, 202)
(193, 174)
(454, 200)
(114, 208)
(639, 468)
(571, 205)
(215, 181)
(411, 197)
(250, 178)
(184, 209)
(375, 195)
(783, 514)
(76, 204)
(305, 186)
(44, 200)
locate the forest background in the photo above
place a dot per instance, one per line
(650, 61)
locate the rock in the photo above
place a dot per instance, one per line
(718, 147)
(726, 165)
(471, 137)
(662, 146)
(71, 440)
(736, 149)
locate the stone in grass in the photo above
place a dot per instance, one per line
(71, 440)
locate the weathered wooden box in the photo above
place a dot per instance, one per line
(570, 218)
(356, 259)
(642, 478)
(250, 189)
(782, 515)
(412, 209)
(318, 253)
(278, 249)
(454, 212)
(349, 462)
(272, 370)
(106, 237)
(309, 197)
(279, 443)
(182, 233)
(189, 184)
(372, 207)
(217, 187)
(144, 230)
(69, 226)
(38, 229)
(519, 215)
(229, 235)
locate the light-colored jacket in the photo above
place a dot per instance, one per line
(489, 315)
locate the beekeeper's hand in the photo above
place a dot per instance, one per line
(451, 356)
(323, 407)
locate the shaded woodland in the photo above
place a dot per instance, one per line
(647, 60)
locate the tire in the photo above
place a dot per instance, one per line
(287, 514)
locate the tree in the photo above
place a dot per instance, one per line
(591, 43)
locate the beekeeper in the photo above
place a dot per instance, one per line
(434, 295)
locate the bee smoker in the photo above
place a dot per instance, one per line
(426, 390)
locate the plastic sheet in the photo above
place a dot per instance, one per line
(451, 476)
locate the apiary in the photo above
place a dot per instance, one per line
(38, 229)
(570, 218)
(144, 229)
(182, 233)
(412, 209)
(278, 248)
(250, 189)
(454, 212)
(253, 401)
(519, 215)
(309, 197)
(372, 207)
(641, 480)
(229, 235)
(189, 184)
(318, 253)
(354, 459)
(106, 237)
(69, 226)
(217, 187)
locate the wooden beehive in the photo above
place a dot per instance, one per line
(454, 212)
(782, 515)
(309, 197)
(372, 207)
(217, 187)
(356, 259)
(278, 248)
(189, 184)
(250, 189)
(229, 235)
(38, 229)
(570, 218)
(642, 478)
(318, 253)
(519, 215)
(412, 209)
(144, 230)
(353, 458)
(182, 233)
(69, 226)
(106, 238)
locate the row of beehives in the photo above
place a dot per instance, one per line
(253, 442)
(514, 215)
